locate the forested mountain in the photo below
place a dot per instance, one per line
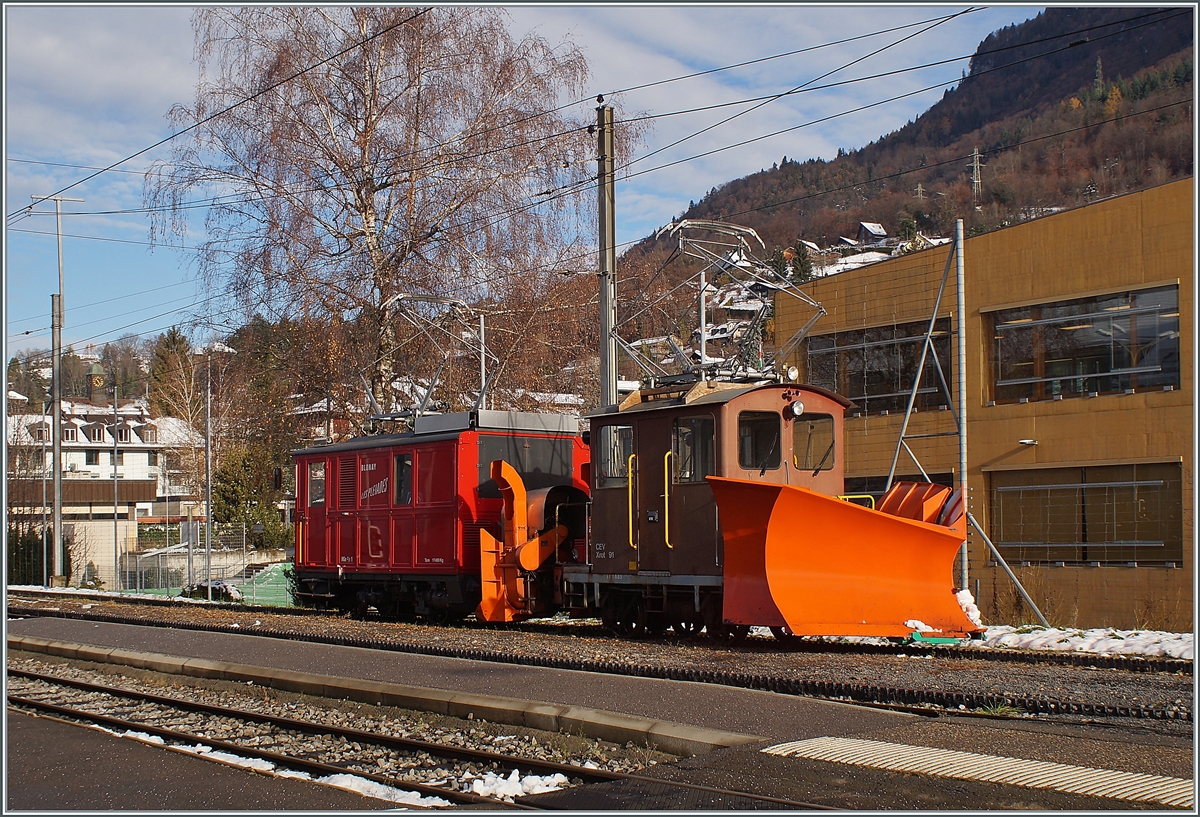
(1076, 104)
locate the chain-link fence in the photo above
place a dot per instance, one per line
(171, 559)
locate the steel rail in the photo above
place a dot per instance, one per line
(286, 761)
(1129, 663)
(406, 744)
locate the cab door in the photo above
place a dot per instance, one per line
(314, 520)
(690, 519)
(374, 535)
(653, 447)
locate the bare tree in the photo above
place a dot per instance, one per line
(413, 155)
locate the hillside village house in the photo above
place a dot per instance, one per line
(156, 475)
(1080, 409)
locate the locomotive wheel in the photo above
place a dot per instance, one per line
(687, 629)
(609, 612)
(631, 622)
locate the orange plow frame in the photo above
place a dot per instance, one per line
(830, 567)
(504, 591)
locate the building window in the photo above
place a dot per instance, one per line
(151, 458)
(402, 464)
(119, 457)
(123, 434)
(611, 448)
(693, 442)
(875, 367)
(39, 434)
(95, 433)
(1104, 514)
(758, 440)
(69, 435)
(316, 483)
(150, 436)
(813, 442)
(91, 458)
(1103, 345)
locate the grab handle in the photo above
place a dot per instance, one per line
(667, 498)
(629, 493)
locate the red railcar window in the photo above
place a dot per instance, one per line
(402, 475)
(316, 483)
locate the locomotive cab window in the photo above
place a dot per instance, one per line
(758, 440)
(316, 483)
(403, 479)
(693, 444)
(812, 442)
(611, 448)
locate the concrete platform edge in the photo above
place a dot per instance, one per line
(675, 738)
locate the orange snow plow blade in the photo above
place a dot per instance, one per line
(831, 567)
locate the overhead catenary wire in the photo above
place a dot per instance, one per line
(238, 104)
(822, 192)
(440, 146)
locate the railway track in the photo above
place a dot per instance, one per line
(1130, 663)
(442, 774)
(905, 693)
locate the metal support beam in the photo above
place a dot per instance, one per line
(1016, 582)
(960, 324)
(608, 255)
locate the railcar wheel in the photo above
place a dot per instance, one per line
(688, 629)
(631, 621)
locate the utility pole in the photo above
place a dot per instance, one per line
(116, 491)
(56, 322)
(208, 474)
(960, 309)
(608, 254)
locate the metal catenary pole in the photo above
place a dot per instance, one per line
(116, 524)
(961, 320)
(208, 474)
(56, 323)
(608, 256)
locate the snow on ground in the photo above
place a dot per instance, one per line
(1059, 639)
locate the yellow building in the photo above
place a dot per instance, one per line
(1079, 401)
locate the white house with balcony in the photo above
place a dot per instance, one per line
(115, 475)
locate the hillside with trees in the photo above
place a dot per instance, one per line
(1071, 106)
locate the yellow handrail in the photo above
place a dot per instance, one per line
(667, 498)
(868, 497)
(629, 493)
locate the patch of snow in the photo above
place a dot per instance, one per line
(967, 602)
(370, 788)
(920, 626)
(1097, 640)
(506, 788)
(143, 737)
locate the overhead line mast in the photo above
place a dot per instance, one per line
(608, 253)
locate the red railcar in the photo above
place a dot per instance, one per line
(393, 521)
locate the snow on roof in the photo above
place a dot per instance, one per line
(854, 262)
(873, 227)
(17, 397)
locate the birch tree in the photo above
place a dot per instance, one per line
(348, 155)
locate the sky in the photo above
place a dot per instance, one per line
(88, 85)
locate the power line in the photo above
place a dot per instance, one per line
(224, 111)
